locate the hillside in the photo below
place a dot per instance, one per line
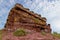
(31, 35)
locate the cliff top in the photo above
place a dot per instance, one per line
(19, 6)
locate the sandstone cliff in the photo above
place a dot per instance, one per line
(20, 17)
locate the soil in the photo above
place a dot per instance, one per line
(30, 36)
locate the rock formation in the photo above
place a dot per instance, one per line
(20, 17)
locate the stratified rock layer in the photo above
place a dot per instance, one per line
(20, 17)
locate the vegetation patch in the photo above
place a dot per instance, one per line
(20, 32)
(0, 34)
(36, 20)
(43, 33)
(55, 34)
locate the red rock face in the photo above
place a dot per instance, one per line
(20, 17)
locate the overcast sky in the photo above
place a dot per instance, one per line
(47, 8)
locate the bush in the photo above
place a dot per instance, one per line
(19, 32)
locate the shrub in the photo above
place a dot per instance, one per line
(19, 32)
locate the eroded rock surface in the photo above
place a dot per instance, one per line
(20, 17)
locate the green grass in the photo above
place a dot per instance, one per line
(19, 32)
(0, 35)
(55, 34)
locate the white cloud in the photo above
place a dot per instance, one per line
(52, 12)
(56, 25)
(12, 2)
(1, 1)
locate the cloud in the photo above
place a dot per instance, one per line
(52, 12)
(1, 1)
(4, 9)
(56, 25)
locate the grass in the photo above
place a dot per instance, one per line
(19, 32)
(0, 35)
(43, 33)
(36, 20)
(55, 34)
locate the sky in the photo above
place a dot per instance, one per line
(47, 8)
